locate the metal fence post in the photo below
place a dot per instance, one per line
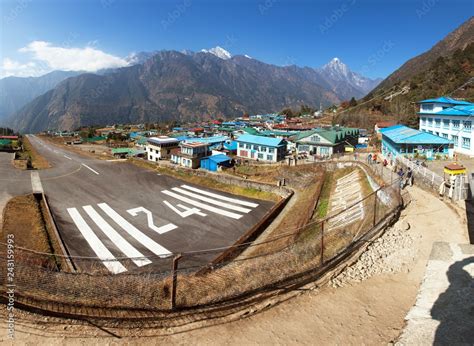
(175, 280)
(322, 242)
(375, 209)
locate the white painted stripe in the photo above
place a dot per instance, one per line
(146, 241)
(211, 201)
(36, 183)
(97, 246)
(224, 198)
(116, 238)
(67, 157)
(90, 168)
(202, 205)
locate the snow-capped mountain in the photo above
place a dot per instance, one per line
(219, 52)
(346, 82)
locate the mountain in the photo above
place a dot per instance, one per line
(15, 92)
(446, 69)
(345, 82)
(219, 52)
(174, 86)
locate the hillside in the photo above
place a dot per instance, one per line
(15, 92)
(440, 71)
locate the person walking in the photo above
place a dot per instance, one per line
(410, 176)
(369, 158)
(400, 175)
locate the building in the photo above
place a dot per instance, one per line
(450, 119)
(326, 142)
(215, 163)
(190, 154)
(382, 125)
(159, 148)
(402, 140)
(261, 148)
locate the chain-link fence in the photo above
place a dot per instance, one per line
(181, 281)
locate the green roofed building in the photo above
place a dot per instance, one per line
(326, 142)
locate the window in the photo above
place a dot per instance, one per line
(427, 108)
(260, 156)
(263, 149)
(466, 143)
(455, 140)
(271, 150)
(445, 124)
(466, 126)
(255, 147)
(437, 122)
(315, 139)
(270, 157)
(423, 121)
(248, 146)
(444, 135)
(456, 124)
(241, 145)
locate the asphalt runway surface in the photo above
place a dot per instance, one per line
(130, 218)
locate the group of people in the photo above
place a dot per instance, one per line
(405, 178)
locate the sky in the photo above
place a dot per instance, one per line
(373, 37)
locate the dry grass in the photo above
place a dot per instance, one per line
(24, 219)
(37, 160)
(188, 176)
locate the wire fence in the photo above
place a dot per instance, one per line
(181, 281)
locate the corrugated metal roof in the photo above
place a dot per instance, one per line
(457, 110)
(219, 158)
(444, 99)
(268, 141)
(401, 134)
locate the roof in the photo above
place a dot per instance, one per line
(162, 140)
(8, 137)
(231, 146)
(194, 144)
(219, 158)
(333, 135)
(5, 142)
(209, 140)
(456, 110)
(402, 134)
(122, 150)
(444, 99)
(250, 130)
(268, 141)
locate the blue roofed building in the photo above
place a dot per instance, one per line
(450, 119)
(215, 163)
(261, 148)
(402, 140)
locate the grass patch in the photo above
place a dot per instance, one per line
(188, 176)
(36, 160)
(24, 219)
(323, 204)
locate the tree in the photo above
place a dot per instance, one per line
(352, 102)
(288, 112)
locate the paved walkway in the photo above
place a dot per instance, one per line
(443, 313)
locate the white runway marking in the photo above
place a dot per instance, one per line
(123, 245)
(67, 157)
(202, 205)
(36, 183)
(90, 168)
(146, 241)
(187, 211)
(211, 201)
(97, 246)
(160, 230)
(224, 198)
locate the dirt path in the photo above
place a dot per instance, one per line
(369, 308)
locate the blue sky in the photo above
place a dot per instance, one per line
(372, 37)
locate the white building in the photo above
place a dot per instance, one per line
(159, 148)
(450, 119)
(261, 148)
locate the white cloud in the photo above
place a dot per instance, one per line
(11, 67)
(46, 57)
